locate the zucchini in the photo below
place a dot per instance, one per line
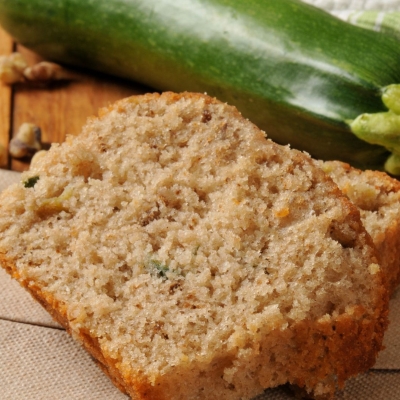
(297, 72)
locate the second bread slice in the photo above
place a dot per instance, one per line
(377, 196)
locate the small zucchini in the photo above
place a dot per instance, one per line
(297, 72)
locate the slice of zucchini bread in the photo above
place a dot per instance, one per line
(194, 258)
(377, 196)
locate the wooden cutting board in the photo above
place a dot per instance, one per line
(59, 109)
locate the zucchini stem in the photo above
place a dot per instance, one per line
(383, 128)
(392, 164)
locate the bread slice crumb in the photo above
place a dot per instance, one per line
(193, 258)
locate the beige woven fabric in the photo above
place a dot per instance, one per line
(17, 305)
(389, 358)
(39, 361)
(43, 363)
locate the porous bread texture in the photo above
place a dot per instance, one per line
(194, 258)
(377, 196)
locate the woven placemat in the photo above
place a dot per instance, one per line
(45, 363)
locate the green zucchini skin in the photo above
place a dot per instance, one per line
(292, 69)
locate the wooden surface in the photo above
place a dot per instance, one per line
(59, 109)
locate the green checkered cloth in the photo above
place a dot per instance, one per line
(378, 15)
(385, 22)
